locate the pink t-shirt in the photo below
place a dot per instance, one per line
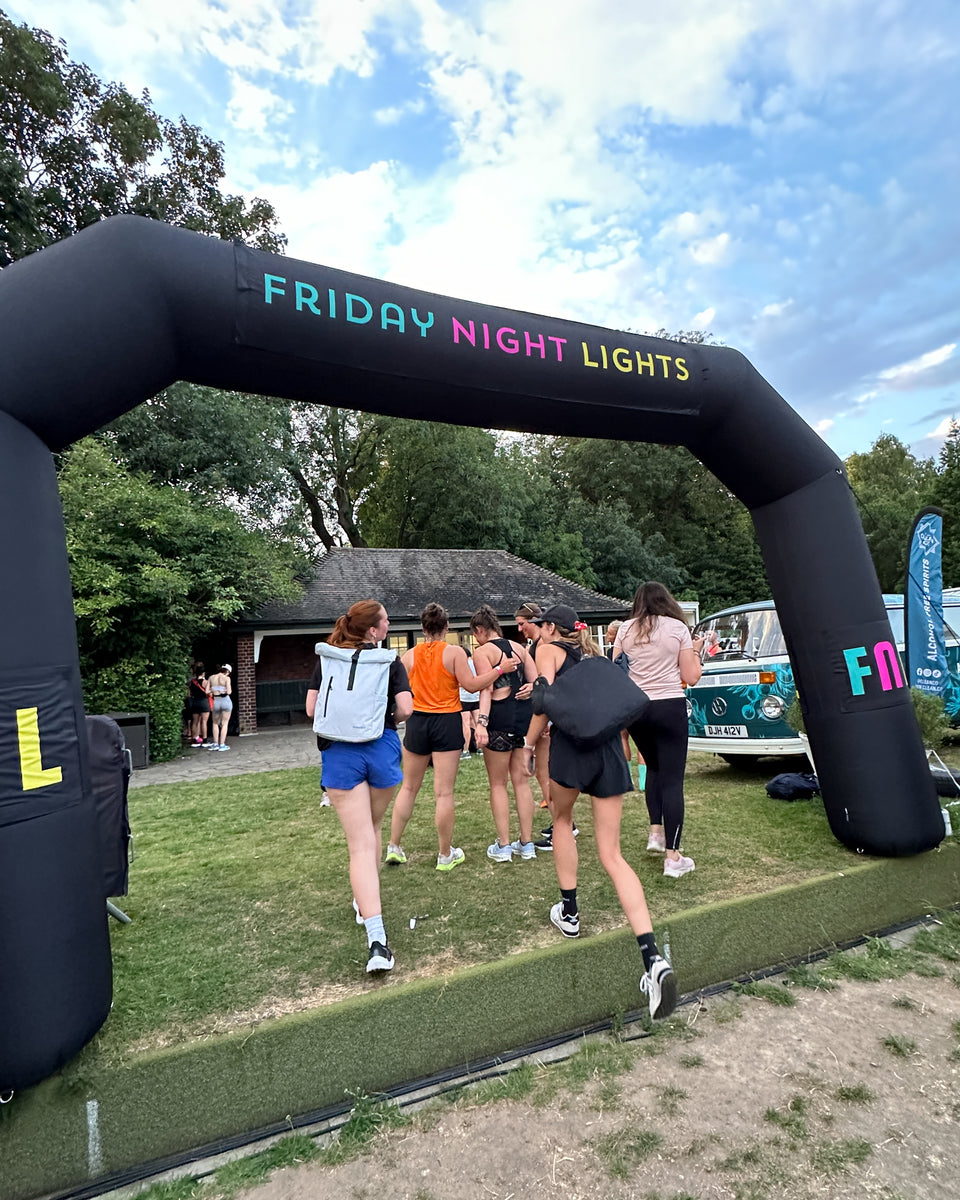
(655, 664)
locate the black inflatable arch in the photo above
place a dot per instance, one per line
(94, 325)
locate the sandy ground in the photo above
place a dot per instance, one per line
(750, 1101)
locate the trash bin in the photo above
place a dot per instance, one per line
(136, 734)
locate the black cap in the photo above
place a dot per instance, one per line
(558, 614)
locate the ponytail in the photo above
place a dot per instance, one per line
(351, 629)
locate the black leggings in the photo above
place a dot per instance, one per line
(661, 737)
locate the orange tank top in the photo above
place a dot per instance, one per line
(434, 689)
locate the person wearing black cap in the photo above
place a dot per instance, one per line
(603, 774)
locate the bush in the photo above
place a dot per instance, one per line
(136, 685)
(794, 715)
(931, 717)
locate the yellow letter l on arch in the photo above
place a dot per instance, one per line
(31, 765)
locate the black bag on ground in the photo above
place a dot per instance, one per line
(110, 779)
(793, 786)
(591, 701)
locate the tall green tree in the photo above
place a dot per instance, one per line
(891, 485)
(74, 150)
(153, 569)
(945, 494)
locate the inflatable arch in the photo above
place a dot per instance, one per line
(98, 323)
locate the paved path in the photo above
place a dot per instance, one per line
(271, 750)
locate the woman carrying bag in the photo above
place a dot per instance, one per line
(600, 771)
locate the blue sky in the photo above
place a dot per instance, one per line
(782, 175)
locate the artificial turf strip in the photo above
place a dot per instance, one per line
(169, 1100)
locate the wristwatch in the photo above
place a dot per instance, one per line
(483, 719)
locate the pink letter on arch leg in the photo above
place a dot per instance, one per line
(884, 653)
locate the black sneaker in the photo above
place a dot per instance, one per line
(546, 838)
(660, 986)
(381, 958)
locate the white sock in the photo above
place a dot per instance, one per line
(375, 930)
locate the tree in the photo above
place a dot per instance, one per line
(891, 486)
(223, 446)
(153, 569)
(945, 494)
(75, 150)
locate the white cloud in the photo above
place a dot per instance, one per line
(705, 318)
(775, 310)
(933, 358)
(823, 425)
(252, 108)
(711, 251)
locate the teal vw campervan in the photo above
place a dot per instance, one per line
(737, 709)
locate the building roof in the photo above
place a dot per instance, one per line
(406, 580)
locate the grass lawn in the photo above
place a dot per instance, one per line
(240, 900)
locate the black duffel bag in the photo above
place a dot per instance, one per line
(793, 786)
(590, 702)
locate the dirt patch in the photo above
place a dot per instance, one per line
(848, 1093)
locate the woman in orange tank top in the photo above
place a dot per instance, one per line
(437, 671)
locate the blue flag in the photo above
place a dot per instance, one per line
(923, 606)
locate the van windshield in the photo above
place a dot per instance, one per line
(755, 634)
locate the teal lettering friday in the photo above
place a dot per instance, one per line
(357, 310)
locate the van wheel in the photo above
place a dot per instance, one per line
(740, 760)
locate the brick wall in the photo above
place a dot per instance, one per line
(245, 685)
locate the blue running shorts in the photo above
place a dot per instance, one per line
(348, 764)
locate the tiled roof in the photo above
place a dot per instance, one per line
(405, 580)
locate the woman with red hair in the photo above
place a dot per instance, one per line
(361, 777)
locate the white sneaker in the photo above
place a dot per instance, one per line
(660, 986)
(524, 849)
(356, 909)
(501, 853)
(446, 862)
(568, 926)
(656, 843)
(673, 868)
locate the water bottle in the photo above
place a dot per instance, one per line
(947, 827)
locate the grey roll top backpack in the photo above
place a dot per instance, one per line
(352, 702)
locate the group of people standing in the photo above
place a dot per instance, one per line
(210, 705)
(425, 687)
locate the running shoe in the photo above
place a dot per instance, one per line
(381, 958)
(569, 926)
(546, 838)
(524, 849)
(356, 909)
(673, 868)
(395, 855)
(501, 853)
(659, 984)
(656, 843)
(446, 862)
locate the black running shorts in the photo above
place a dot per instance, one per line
(430, 733)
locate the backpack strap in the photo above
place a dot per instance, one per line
(354, 662)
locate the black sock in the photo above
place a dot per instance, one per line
(569, 896)
(648, 948)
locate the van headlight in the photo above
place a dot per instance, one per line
(772, 707)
